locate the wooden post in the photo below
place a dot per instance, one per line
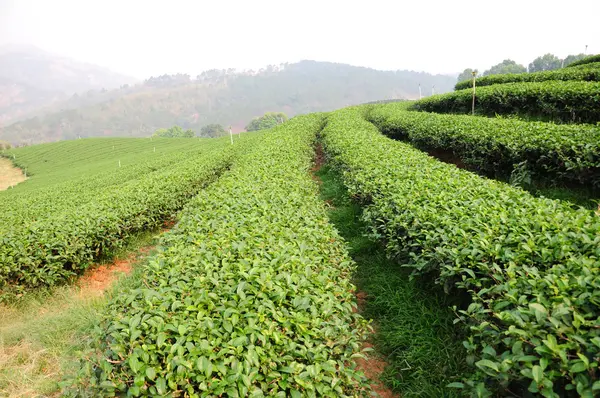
(473, 104)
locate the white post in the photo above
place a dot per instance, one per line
(433, 90)
(230, 135)
(473, 105)
(420, 95)
(585, 53)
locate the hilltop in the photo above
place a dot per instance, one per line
(218, 96)
(31, 78)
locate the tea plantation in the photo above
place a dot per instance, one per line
(252, 292)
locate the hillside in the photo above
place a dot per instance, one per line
(31, 78)
(288, 241)
(224, 97)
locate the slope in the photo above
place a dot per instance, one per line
(220, 97)
(31, 78)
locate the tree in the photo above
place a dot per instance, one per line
(572, 58)
(174, 132)
(4, 145)
(505, 67)
(267, 121)
(467, 74)
(212, 130)
(545, 62)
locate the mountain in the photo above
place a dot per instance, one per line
(31, 78)
(219, 96)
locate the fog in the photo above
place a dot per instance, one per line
(144, 38)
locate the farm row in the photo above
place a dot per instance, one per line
(76, 172)
(530, 266)
(249, 295)
(561, 101)
(569, 153)
(584, 72)
(55, 231)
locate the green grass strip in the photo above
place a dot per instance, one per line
(414, 330)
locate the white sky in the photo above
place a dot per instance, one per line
(143, 38)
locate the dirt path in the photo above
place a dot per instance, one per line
(372, 365)
(41, 338)
(9, 174)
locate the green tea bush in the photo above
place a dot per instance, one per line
(569, 101)
(494, 146)
(586, 72)
(530, 266)
(249, 295)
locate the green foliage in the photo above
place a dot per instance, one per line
(530, 266)
(77, 208)
(569, 101)
(570, 59)
(174, 132)
(586, 72)
(505, 67)
(267, 121)
(587, 60)
(494, 146)
(250, 294)
(545, 62)
(212, 130)
(466, 75)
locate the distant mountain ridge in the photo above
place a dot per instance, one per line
(219, 96)
(31, 78)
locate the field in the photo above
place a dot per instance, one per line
(329, 256)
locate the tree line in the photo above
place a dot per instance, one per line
(267, 121)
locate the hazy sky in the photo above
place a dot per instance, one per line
(143, 38)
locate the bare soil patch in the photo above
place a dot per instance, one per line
(9, 174)
(97, 279)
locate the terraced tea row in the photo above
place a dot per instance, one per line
(587, 60)
(585, 72)
(249, 295)
(57, 245)
(530, 266)
(570, 101)
(72, 173)
(570, 153)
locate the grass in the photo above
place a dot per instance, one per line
(414, 330)
(577, 196)
(42, 335)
